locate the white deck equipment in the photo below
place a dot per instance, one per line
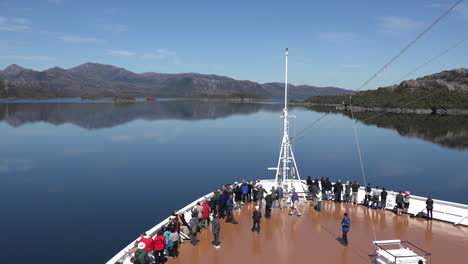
(401, 252)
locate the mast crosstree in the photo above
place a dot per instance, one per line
(286, 170)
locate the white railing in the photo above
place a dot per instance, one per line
(120, 257)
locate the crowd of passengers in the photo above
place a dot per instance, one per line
(221, 204)
(375, 198)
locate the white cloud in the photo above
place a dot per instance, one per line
(338, 37)
(19, 20)
(19, 57)
(395, 24)
(162, 54)
(78, 39)
(434, 5)
(351, 66)
(13, 24)
(116, 28)
(124, 53)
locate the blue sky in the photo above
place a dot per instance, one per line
(337, 43)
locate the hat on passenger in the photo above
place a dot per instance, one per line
(141, 245)
(257, 207)
(147, 234)
(407, 193)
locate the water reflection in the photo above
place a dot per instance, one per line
(108, 114)
(447, 131)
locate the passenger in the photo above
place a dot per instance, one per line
(249, 193)
(280, 195)
(213, 202)
(322, 184)
(260, 195)
(230, 207)
(338, 189)
(383, 199)
(141, 255)
(274, 197)
(244, 191)
(309, 181)
(237, 195)
(215, 227)
(268, 204)
(169, 244)
(429, 206)
(355, 189)
(314, 189)
(294, 203)
(257, 215)
(375, 198)
(200, 212)
(184, 227)
(319, 201)
(347, 193)
(328, 189)
(255, 190)
(222, 202)
(174, 251)
(205, 214)
(406, 202)
(194, 225)
(345, 224)
(145, 238)
(399, 202)
(159, 246)
(368, 196)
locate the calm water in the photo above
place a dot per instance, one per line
(80, 180)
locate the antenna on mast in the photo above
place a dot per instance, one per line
(286, 82)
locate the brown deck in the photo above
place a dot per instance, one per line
(312, 237)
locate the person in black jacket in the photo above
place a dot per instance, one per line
(429, 206)
(309, 181)
(268, 204)
(338, 189)
(368, 197)
(399, 202)
(383, 199)
(328, 189)
(256, 216)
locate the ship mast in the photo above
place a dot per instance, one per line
(286, 169)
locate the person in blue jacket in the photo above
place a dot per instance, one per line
(229, 207)
(345, 224)
(244, 190)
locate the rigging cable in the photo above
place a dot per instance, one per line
(375, 75)
(433, 59)
(418, 68)
(358, 146)
(409, 45)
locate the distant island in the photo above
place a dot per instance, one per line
(441, 93)
(93, 80)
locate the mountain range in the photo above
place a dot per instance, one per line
(100, 80)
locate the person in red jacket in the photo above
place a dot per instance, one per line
(145, 238)
(159, 246)
(206, 214)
